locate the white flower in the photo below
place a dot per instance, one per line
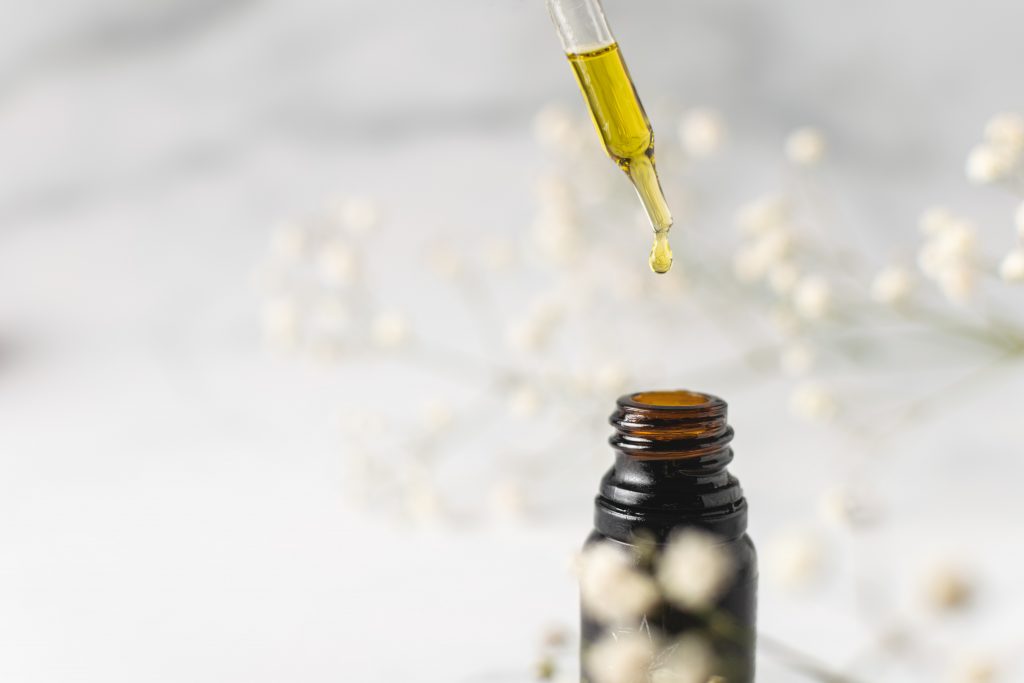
(695, 569)
(935, 219)
(555, 635)
(281, 321)
(947, 588)
(360, 215)
(690, 660)
(747, 265)
(947, 257)
(422, 503)
(795, 559)
(620, 658)
(812, 297)
(553, 126)
(524, 402)
(892, 286)
(954, 247)
(957, 284)
(533, 332)
(957, 242)
(612, 590)
(1011, 268)
(437, 415)
(556, 233)
(506, 499)
(782, 277)
(1018, 219)
(329, 320)
(498, 255)
(774, 246)
(702, 132)
(1006, 130)
(797, 359)
(805, 147)
(553, 191)
(753, 261)
(842, 507)
(389, 329)
(764, 214)
(335, 263)
(610, 378)
(811, 401)
(973, 669)
(929, 260)
(545, 668)
(288, 242)
(987, 164)
(446, 261)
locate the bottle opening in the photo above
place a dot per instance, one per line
(672, 399)
(674, 423)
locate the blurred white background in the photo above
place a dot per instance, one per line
(173, 494)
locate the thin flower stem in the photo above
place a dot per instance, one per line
(799, 661)
(724, 624)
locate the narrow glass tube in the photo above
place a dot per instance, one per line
(615, 108)
(581, 25)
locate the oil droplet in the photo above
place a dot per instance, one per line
(661, 253)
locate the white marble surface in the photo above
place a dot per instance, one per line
(171, 493)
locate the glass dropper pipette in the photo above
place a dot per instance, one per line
(615, 109)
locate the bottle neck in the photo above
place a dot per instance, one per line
(672, 449)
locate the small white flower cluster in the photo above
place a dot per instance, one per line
(998, 158)
(795, 559)
(766, 227)
(612, 589)
(695, 570)
(845, 507)
(690, 659)
(622, 658)
(813, 401)
(947, 587)
(642, 658)
(557, 129)
(556, 229)
(533, 331)
(892, 286)
(767, 254)
(973, 669)
(1011, 268)
(948, 255)
(692, 573)
(314, 301)
(806, 147)
(702, 132)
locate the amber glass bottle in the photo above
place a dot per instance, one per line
(671, 453)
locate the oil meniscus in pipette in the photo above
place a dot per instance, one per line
(626, 134)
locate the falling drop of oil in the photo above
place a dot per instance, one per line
(661, 253)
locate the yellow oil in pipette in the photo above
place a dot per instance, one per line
(626, 135)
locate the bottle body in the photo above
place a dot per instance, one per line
(669, 480)
(734, 650)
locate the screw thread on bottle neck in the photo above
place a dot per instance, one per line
(672, 448)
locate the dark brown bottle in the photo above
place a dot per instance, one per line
(671, 453)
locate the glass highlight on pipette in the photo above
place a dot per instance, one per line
(615, 109)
